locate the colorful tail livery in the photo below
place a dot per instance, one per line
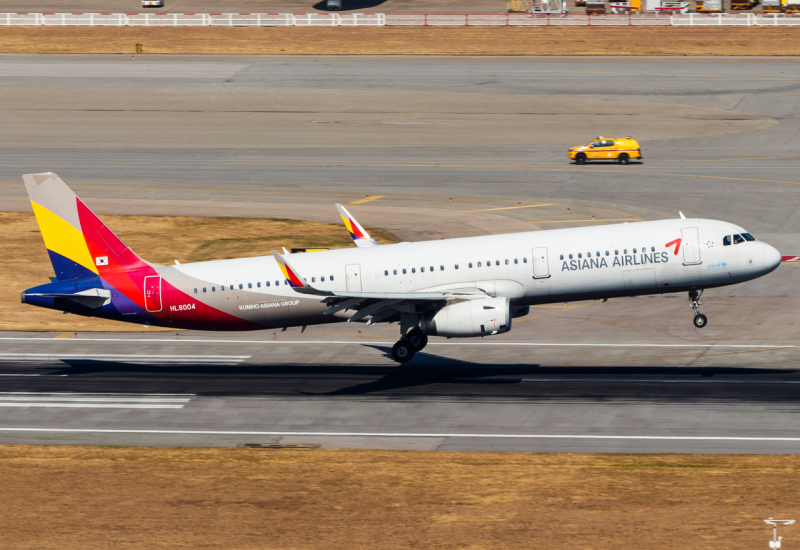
(360, 236)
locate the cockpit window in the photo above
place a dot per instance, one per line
(726, 240)
(748, 237)
(738, 239)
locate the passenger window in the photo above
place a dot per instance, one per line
(277, 283)
(516, 262)
(652, 249)
(441, 267)
(413, 270)
(213, 289)
(738, 239)
(432, 270)
(580, 256)
(313, 279)
(249, 285)
(322, 279)
(422, 269)
(479, 264)
(497, 262)
(386, 272)
(524, 260)
(748, 237)
(267, 283)
(634, 251)
(626, 251)
(560, 258)
(597, 254)
(404, 271)
(331, 277)
(726, 240)
(286, 281)
(506, 262)
(607, 253)
(241, 286)
(195, 291)
(258, 284)
(470, 264)
(395, 272)
(204, 289)
(570, 256)
(616, 253)
(222, 288)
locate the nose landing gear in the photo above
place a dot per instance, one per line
(700, 320)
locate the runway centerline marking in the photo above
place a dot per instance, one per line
(389, 434)
(677, 357)
(513, 207)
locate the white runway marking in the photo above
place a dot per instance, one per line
(91, 401)
(126, 358)
(382, 434)
(321, 342)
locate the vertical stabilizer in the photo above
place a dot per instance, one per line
(79, 244)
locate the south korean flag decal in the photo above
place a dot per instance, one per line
(101, 260)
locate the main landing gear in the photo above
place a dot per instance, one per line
(700, 320)
(414, 340)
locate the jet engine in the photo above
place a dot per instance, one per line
(480, 317)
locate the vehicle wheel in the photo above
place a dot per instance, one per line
(417, 339)
(580, 158)
(700, 320)
(402, 352)
(624, 158)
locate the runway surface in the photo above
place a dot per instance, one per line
(403, 137)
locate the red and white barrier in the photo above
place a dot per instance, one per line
(392, 19)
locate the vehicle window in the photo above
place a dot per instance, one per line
(517, 261)
(267, 283)
(570, 256)
(616, 253)
(204, 289)
(441, 267)
(626, 251)
(195, 291)
(580, 256)
(470, 264)
(479, 264)
(432, 270)
(395, 272)
(738, 239)
(222, 288)
(286, 282)
(597, 144)
(726, 240)
(277, 283)
(404, 271)
(497, 262)
(422, 269)
(608, 253)
(524, 260)
(213, 289)
(748, 237)
(386, 272)
(258, 284)
(331, 277)
(634, 251)
(652, 249)
(413, 270)
(313, 279)
(249, 285)
(608, 143)
(506, 262)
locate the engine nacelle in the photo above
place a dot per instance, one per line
(480, 317)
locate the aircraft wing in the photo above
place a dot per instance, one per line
(360, 236)
(380, 306)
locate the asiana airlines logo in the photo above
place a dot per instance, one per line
(623, 260)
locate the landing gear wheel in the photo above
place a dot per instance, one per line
(402, 351)
(580, 158)
(417, 339)
(700, 320)
(624, 158)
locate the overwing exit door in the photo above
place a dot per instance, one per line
(541, 267)
(152, 293)
(353, 277)
(691, 246)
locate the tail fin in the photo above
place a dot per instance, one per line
(77, 241)
(359, 234)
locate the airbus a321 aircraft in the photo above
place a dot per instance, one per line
(455, 288)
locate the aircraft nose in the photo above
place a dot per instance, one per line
(772, 258)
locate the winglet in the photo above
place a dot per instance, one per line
(682, 216)
(297, 283)
(360, 236)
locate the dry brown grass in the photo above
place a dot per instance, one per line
(94, 497)
(157, 239)
(411, 41)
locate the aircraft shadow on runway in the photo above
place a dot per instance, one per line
(351, 5)
(433, 375)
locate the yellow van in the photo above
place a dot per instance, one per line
(622, 150)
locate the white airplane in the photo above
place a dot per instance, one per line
(454, 288)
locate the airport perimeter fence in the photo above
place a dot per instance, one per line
(393, 19)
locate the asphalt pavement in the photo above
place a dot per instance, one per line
(429, 148)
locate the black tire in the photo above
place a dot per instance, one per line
(700, 320)
(580, 158)
(624, 158)
(417, 339)
(402, 352)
